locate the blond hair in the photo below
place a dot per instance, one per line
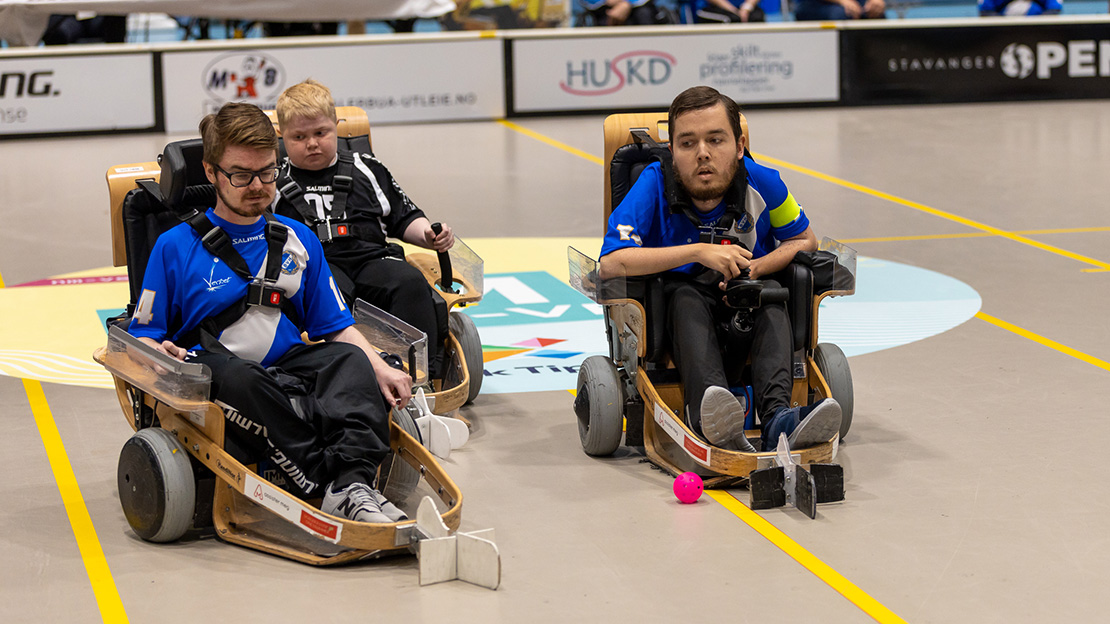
(308, 99)
(236, 123)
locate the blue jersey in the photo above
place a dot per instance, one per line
(1020, 7)
(185, 284)
(644, 219)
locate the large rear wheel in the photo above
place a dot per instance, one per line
(833, 365)
(463, 329)
(157, 489)
(599, 406)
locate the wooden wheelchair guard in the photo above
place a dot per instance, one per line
(668, 442)
(245, 504)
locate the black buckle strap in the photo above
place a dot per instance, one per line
(327, 230)
(262, 292)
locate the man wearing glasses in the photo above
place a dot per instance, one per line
(233, 289)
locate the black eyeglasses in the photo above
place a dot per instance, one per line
(239, 179)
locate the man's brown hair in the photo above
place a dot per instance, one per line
(308, 99)
(697, 98)
(236, 123)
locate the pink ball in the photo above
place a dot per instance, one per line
(687, 488)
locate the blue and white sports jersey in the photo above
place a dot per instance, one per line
(644, 219)
(1020, 7)
(185, 284)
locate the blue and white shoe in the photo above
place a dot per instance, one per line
(804, 426)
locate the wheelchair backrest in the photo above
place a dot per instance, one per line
(626, 157)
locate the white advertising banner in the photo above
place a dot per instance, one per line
(637, 72)
(54, 94)
(393, 82)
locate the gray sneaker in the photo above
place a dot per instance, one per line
(722, 419)
(354, 502)
(389, 509)
(818, 426)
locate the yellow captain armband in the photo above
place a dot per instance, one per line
(785, 213)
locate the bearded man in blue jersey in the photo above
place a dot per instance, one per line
(320, 411)
(717, 187)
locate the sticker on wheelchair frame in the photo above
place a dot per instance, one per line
(285, 506)
(695, 448)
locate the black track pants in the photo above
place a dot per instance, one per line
(338, 430)
(706, 355)
(400, 289)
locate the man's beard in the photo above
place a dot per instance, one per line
(239, 209)
(707, 193)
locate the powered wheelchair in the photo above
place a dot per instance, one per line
(638, 385)
(178, 472)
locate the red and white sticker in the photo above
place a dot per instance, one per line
(697, 450)
(289, 508)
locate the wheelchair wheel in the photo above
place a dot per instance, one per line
(397, 478)
(463, 329)
(599, 406)
(833, 365)
(157, 489)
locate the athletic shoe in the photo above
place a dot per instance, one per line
(393, 512)
(354, 502)
(804, 426)
(722, 419)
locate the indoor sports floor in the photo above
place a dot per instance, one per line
(976, 474)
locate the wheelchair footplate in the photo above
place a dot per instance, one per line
(789, 483)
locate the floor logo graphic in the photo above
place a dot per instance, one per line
(535, 329)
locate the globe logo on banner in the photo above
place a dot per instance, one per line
(244, 77)
(639, 68)
(1017, 60)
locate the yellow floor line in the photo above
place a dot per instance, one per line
(1041, 340)
(552, 142)
(846, 588)
(924, 237)
(935, 212)
(100, 576)
(988, 229)
(92, 555)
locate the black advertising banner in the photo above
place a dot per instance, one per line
(1030, 61)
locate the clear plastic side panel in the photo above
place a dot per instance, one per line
(844, 269)
(182, 385)
(395, 337)
(467, 264)
(583, 273)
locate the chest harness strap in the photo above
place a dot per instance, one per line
(261, 291)
(333, 225)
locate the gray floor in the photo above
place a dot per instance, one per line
(975, 471)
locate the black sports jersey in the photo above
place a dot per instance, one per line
(376, 208)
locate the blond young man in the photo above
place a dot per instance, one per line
(354, 204)
(319, 412)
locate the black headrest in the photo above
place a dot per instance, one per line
(182, 180)
(628, 161)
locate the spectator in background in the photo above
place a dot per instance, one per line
(85, 28)
(828, 10)
(728, 11)
(1020, 7)
(622, 13)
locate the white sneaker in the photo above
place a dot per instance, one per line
(355, 502)
(393, 512)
